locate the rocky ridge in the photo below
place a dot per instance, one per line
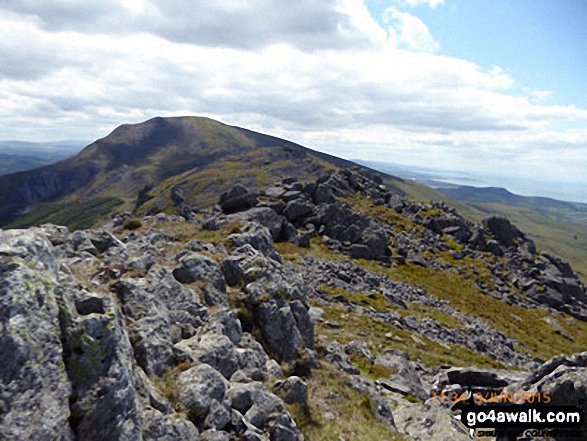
(215, 325)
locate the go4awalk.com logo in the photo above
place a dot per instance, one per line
(521, 417)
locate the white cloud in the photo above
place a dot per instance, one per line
(308, 24)
(413, 3)
(331, 79)
(408, 29)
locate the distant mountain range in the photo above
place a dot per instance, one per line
(18, 156)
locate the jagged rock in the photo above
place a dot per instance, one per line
(292, 390)
(237, 198)
(80, 241)
(158, 304)
(224, 322)
(168, 427)
(335, 355)
(377, 239)
(476, 379)
(103, 241)
(252, 360)
(121, 347)
(503, 230)
(151, 339)
(564, 380)
(57, 234)
(282, 433)
(213, 349)
(316, 314)
(243, 396)
(323, 194)
(404, 376)
(493, 247)
(90, 305)
(352, 234)
(279, 329)
(34, 389)
(360, 348)
(273, 369)
(303, 322)
(359, 251)
(274, 192)
(258, 237)
(396, 203)
(104, 403)
(233, 274)
(264, 216)
(563, 267)
(199, 268)
(296, 210)
(265, 406)
(202, 392)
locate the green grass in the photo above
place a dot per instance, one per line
(538, 338)
(382, 335)
(75, 215)
(524, 325)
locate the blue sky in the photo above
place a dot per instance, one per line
(451, 84)
(541, 43)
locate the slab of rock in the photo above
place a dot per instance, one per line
(292, 390)
(237, 198)
(34, 389)
(197, 267)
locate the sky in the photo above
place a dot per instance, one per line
(489, 85)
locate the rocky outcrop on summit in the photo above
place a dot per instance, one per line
(143, 359)
(34, 387)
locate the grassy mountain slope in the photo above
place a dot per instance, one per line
(200, 156)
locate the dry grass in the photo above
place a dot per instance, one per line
(337, 410)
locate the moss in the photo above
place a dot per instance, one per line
(412, 399)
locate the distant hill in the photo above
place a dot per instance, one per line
(18, 156)
(14, 163)
(494, 195)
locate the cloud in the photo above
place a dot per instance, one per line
(407, 29)
(331, 79)
(414, 3)
(307, 24)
